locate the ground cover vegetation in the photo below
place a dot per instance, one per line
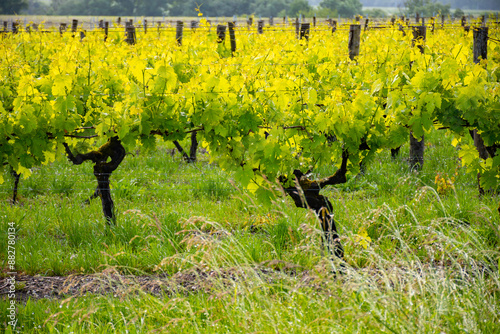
(420, 244)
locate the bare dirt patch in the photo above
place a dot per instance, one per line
(112, 283)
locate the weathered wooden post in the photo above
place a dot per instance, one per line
(297, 27)
(119, 21)
(314, 20)
(260, 26)
(232, 37)
(178, 32)
(305, 29)
(221, 33)
(334, 25)
(194, 25)
(366, 23)
(62, 28)
(354, 40)
(480, 52)
(130, 30)
(145, 25)
(417, 146)
(74, 26)
(101, 24)
(106, 29)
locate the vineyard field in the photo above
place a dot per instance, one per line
(223, 243)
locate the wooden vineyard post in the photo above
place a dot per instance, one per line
(145, 26)
(62, 28)
(417, 146)
(464, 24)
(354, 40)
(480, 44)
(130, 30)
(106, 29)
(260, 26)
(334, 26)
(297, 28)
(480, 52)
(305, 29)
(366, 23)
(232, 37)
(178, 32)
(74, 28)
(314, 21)
(221, 33)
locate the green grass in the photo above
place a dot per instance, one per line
(431, 264)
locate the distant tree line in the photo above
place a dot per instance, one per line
(212, 8)
(454, 4)
(221, 8)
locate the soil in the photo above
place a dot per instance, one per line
(113, 283)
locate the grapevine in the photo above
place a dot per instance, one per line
(274, 109)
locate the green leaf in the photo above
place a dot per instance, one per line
(62, 85)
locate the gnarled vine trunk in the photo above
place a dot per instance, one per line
(112, 150)
(192, 152)
(305, 194)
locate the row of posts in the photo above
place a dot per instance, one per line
(260, 23)
(302, 30)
